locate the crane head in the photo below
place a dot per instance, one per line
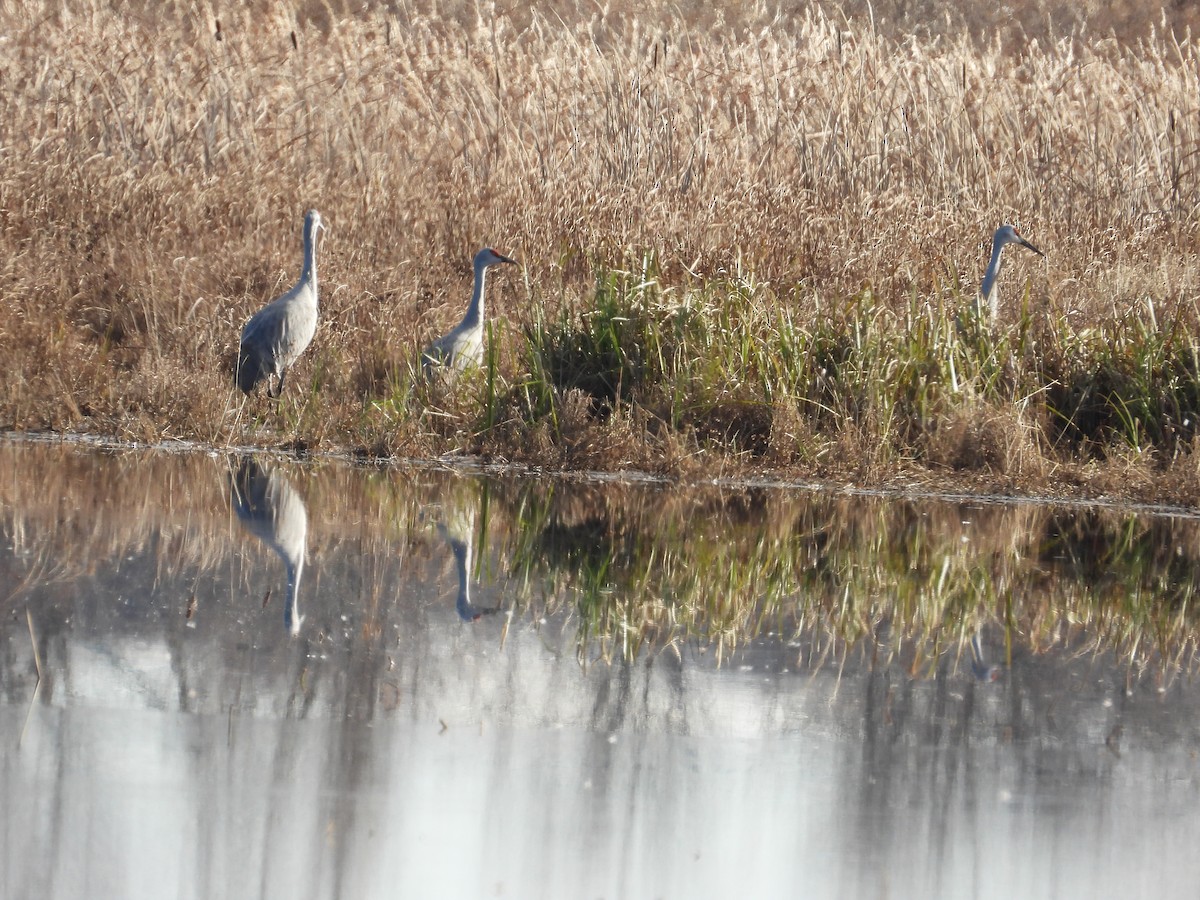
(312, 221)
(1008, 234)
(489, 257)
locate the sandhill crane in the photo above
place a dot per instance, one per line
(463, 346)
(1005, 234)
(278, 333)
(271, 509)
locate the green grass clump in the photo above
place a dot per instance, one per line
(609, 350)
(1132, 384)
(722, 366)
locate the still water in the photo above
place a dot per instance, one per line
(262, 678)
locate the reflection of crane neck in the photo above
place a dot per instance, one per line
(474, 315)
(291, 615)
(979, 664)
(462, 562)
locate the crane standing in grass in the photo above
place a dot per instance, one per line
(1005, 234)
(463, 346)
(278, 333)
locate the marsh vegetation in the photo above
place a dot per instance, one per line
(750, 239)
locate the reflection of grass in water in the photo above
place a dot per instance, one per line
(638, 569)
(1135, 580)
(892, 579)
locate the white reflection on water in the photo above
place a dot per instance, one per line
(517, 773)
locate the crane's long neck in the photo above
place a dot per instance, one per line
(462, 559)
(291, 616)
(987, 287)
(474, 313)
(309, 274)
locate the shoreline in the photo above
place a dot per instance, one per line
(474, 466)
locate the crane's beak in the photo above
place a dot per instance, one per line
(506, 259)
(1025, 243)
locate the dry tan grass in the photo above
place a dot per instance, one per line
(154, 178)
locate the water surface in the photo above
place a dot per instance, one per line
(261, 678)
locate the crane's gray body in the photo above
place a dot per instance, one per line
(278, 333)
(462, 347)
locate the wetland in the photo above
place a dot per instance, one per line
(754, 560)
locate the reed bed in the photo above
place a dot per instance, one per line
(750, 239)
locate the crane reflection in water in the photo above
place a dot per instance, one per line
(981, 668)
(271, 509)
(457, 526)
